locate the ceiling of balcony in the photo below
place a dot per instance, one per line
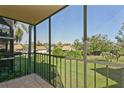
(29, 13)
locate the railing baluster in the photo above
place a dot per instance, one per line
(42, 66)
(53, 72)
(107, 76)
(45, 67)
(39, 63)
(20, 64)
(60, 67)
(56, 73)
(65, 73)
(36, 64)
(76, 73)
(14, 67)
(70, 74)
(31, 63)
(94, 75)
(25, 64)
(121, 78)
(7, 70)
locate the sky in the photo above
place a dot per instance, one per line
(105, 20)
(67, 25)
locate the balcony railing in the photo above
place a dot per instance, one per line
(67, 72)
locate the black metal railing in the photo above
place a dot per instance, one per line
(67, 72)
(19, 67)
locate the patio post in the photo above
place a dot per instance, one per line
(34, 48)
(50, 49)
(29, 50)
(12, 47)
(85, 45)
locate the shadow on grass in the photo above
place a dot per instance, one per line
(113, 74)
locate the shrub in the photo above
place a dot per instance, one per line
(57, 51)
(74, 54)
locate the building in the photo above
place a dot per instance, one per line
(67, 47)
(41, 49)
(1, 46)
(18, 48)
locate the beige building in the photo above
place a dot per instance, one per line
(67, 47)
(2, 46)
(41, 49)
(18, 48)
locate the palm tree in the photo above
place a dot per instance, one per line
(18, 35)
(20, 28)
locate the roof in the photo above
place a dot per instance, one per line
(18, 47)
(41, 47)
(66, 47)
(1, 46)
(31, 14)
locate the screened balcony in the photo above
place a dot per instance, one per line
(33, 69)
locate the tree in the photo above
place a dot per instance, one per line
(120, 35)
(18, 35)
(77, 45)
(39, 43)
(59, 44)
(74, 54)
(98, 44)
(46, 45)
(19, 28)
(108, 56)
(118, 51)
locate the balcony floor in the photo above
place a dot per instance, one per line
(29, 81)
